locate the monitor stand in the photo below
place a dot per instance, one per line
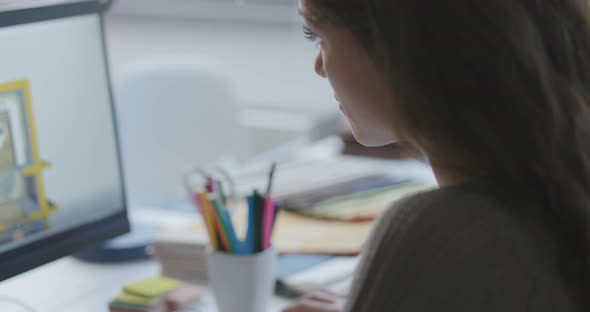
(127, 247)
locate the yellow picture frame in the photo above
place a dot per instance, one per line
(37, 166)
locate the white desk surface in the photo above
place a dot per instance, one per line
(70, 285)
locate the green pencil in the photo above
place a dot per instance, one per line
(221, 216)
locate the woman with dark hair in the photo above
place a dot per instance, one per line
(496, 93)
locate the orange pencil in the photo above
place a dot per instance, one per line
(217, 223)
(208, 219)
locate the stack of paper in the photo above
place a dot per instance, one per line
(155, 295)
(299, 275)
(333, 276)
(361, 206)
(182, 254)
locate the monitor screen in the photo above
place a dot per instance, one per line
(61, 187)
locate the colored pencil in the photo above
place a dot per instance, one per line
(226, 224)
(207, 219)
(216, 222)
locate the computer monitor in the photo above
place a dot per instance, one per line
(61, 187)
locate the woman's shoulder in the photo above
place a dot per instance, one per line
(451, 204)
(454, 243)
(465, 215)
(458, 206)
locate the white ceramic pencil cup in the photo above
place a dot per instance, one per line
(242, 283)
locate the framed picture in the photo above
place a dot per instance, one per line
(24, 208)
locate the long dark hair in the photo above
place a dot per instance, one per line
(502, 86)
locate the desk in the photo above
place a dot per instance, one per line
(70, 285)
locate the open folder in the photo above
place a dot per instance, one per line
(295, 233)
(302, 234)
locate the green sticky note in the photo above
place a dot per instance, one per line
(133, 299)
(153, 287)
(125, 305)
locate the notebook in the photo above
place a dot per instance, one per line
(357, 200)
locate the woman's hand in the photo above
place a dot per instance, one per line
(318, 302)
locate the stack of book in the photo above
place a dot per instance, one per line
(155, 295)
(182, 254)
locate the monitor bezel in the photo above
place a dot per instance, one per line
(51, 248)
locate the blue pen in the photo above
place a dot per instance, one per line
(232, 234)
(250, 233)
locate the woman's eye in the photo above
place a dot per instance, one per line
(310, 35)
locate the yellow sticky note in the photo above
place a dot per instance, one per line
(153, 287)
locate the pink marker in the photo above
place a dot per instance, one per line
(210, 185)
(269, 211)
